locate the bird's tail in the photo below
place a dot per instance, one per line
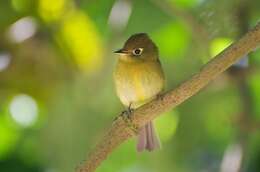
(148, 138)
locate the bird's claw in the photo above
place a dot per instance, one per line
(159, 96)
(126, 115)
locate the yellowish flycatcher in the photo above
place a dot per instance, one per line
(139, 78)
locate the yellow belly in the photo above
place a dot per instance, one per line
(138, 83)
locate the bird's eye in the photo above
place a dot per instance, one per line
(137, 51)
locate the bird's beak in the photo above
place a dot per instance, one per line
(121, 51)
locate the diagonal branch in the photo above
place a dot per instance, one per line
(120, 132)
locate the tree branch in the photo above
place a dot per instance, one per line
(120, 132)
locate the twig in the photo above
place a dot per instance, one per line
(120, 132)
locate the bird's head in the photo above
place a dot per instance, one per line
(139, 47)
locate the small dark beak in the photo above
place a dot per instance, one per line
(121, 51)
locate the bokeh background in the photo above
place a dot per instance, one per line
(56, 87)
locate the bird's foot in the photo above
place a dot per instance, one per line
(126, 115)
(159, 96)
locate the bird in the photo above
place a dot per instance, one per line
(139, 78)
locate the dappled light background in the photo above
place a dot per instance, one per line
(56, 87)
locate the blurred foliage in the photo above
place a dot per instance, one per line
(57, 55)
(166, 37)
(218, 45)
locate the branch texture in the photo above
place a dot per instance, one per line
(120, 132)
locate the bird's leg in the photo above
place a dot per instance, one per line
(126, 115)
(129, 110)
(159, 96)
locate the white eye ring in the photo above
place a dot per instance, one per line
(137, 51)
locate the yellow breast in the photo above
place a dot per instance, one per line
(138, 83)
